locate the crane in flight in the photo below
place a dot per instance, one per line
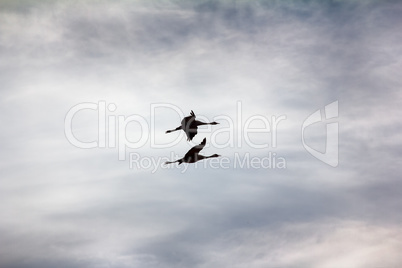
(189, 125)
(193, 155)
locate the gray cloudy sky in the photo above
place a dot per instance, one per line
(63, 206)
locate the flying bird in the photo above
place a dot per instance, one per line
(193, 155)
(190, 126)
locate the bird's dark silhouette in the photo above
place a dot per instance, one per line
(190, 126)
(193, 155)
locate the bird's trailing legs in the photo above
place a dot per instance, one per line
(171, 162)
(178, 128)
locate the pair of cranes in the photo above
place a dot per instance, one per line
(189, 125)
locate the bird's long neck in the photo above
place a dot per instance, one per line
(200, 157)
(199, 123)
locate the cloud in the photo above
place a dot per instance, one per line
(324, 244)
(84, 208)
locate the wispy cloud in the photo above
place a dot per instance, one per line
(69, 207)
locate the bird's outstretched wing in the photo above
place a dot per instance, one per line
(191, 132)
(191, 116)
(195, 150)
(188, 121)
(189, 127)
